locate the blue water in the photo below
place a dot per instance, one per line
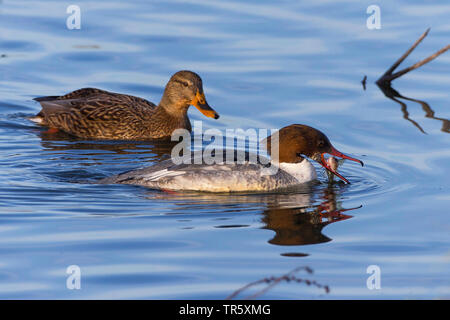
(264, 65)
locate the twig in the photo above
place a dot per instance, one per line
(387, 77)
(406, 54)
(384, 83)
(364, 82)
(419, 64)
(273, 281)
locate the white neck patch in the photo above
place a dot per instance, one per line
(303, 171)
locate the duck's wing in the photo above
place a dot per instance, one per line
(221, 177)
(132, 176)
(95, 94)
(77, 94)
(91, 112)
(196, 163)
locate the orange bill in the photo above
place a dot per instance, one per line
(200, 103)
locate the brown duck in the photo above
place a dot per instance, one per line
(97, 114)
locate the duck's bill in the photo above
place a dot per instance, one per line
(200, 103)
(337, 153)
(324, 164)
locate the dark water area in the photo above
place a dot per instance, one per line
(263, 65)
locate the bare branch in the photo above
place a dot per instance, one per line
(418, 64)
(273, 281)
(406, 54)
(384, 83)
(387, 77)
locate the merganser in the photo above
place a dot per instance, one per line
(296, 142)
(97, 114)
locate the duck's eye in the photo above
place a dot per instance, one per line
(185, 84)
(321, 143)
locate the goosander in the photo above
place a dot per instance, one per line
(97, 114)
(296, 143)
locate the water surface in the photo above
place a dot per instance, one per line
(263, 65)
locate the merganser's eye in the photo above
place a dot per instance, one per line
(321, 143)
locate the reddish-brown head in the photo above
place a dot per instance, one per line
(297, 141)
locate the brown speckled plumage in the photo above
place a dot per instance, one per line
(97, 114)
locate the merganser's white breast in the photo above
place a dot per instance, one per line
(219, 177)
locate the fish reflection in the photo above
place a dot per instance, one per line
(294, 217)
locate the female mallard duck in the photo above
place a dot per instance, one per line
(94, 113)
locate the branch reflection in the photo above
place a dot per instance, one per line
(394, 95)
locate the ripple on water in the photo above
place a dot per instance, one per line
(19, 46)
(377, 177)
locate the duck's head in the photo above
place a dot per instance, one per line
(297, 141)
(184, 89)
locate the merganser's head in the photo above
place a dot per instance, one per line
(297, 141)
(185, 88)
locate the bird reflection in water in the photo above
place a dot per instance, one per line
(292, 216)
(303, 225)
(67, 144)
